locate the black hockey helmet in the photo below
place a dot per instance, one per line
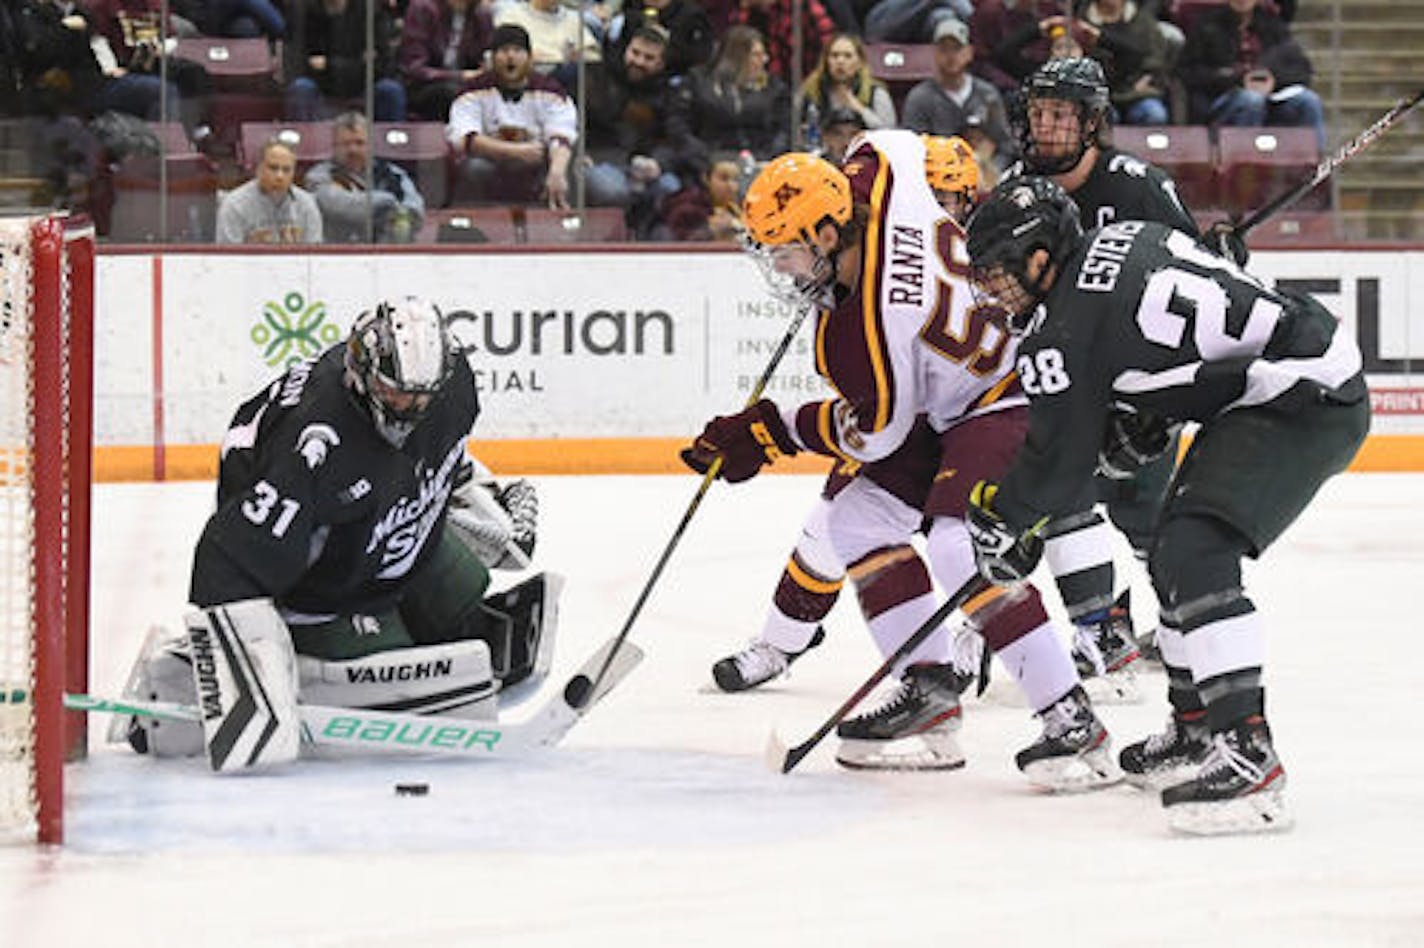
(1019, 217)
(1080, 81)
(398, 357)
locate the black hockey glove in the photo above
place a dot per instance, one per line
(1133, 439)
(745, 442)
(1002, 554)
(1226, 241)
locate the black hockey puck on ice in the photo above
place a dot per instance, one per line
(412, 789)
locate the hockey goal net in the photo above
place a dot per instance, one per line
(46, 399)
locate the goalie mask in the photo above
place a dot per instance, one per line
(398, 357)
(785, 207)
(1062, 113)
(1019, 218)
(952, 173)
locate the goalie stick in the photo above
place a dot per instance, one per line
(578, 693)
(1327, 166)
(384, 731)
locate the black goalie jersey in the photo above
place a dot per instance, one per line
(1144, 315)
(315, 508)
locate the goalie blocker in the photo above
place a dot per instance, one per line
(246, 686)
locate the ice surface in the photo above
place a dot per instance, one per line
(657, 824)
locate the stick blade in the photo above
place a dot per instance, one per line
(780, 759)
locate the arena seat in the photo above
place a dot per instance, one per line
(245, 76)
(309, 141)
(420, 148)
(1291, 228)
(900, 66)
(137, 214)
(544, 225)
(1257, 164)
(467, 225)
(1183, 151)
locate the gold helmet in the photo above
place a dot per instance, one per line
(791, 196)
(950, 165)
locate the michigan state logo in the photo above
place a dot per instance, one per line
(293, 330)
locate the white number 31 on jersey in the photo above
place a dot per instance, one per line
(1043, 372)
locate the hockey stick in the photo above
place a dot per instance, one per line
(782, 759)
(577, 692)
(385, 731)
(1327, 166)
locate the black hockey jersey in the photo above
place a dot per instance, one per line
(1144, 315)
(1123, 187)
(315, 508)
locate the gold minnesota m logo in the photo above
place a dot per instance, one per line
(293, 330)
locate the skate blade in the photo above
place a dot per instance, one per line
(939, 752)
(1114, 688)
(1263, 812)
(1077, 774)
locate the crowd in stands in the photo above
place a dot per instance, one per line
(661, 109)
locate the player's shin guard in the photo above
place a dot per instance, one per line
(453, 679)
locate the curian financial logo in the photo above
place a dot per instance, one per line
(293, 329)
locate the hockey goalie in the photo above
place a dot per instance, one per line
(348, 562)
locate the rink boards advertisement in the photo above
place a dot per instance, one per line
(617, 347)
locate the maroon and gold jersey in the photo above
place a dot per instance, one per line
(908, 339)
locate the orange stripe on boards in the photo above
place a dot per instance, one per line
(517, 457)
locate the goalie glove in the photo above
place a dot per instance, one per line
(746, 442)
(1133, 438)
(499, 525)
(1002, 554)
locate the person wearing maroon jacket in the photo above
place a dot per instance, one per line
(1002, 55)
(773, 18)
(442, 51)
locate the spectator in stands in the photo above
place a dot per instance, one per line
(1242, 67)
(1008, 45)
(626, 130)
(242, 18)
(270, 209)
(912, 21)
(731, 105)
(986, 153)
(711, 209)
(558, 36)
(348, 199)
(49, 48)
(774, 20)
(442, 52)
(133, 46)
(945, 104)
(842, 80)
(839, 126)
(514, 128)
(327, 57)
(690, 38)
(1125, 37)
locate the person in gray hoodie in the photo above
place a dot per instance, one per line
(270, 209)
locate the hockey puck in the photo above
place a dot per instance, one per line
(577, 692)
(412, 789)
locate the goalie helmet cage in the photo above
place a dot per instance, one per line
(46, 437)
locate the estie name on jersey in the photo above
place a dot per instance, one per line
(1103, 263)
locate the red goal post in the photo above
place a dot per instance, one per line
(46, 443)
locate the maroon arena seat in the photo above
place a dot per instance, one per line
(591, 225)
(1291, 228)
(309, 141)
(1183, 151)
(900, 66)
(1257, 164)
(420, 148)
(467, 225)
(137, 213)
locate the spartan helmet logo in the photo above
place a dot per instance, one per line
(315, 442)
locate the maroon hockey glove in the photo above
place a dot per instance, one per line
(745, 442)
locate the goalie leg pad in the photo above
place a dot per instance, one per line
(245, 670)
(528, 615)
(453, 679)
(162, 672)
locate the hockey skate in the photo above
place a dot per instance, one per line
(758, 663)
(1170, 757)
(1107, 656)
(1074, 753)
(1240, 787)
(913, 730)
